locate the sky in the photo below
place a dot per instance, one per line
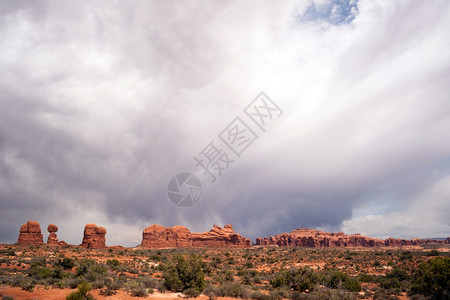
(102, 103)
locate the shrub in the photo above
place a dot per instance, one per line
(139, 292)
(108, 292)
(433, 252)
(82, 293)
(212, 292)
(67, 263)
(343, 280)
(433, 278)
(191, 293)
(113, 263)
(182, 274)
(38, 272)
(235, 290)
(75, 282)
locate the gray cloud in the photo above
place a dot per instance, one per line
(103, 103)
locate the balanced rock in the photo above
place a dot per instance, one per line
(52, 238)
(30, 234)
(157, 236)
(94, 236)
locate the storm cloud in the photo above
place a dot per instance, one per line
(102, 103)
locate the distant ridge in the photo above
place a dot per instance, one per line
(157, 236)
(305, 237)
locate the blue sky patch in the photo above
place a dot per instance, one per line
(335, 12)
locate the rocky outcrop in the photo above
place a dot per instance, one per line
(414, 242)
(157, 236)
(304, 237)
(94, 236)
(30, 234)
(52, 238)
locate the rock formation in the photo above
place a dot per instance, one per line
(303, 237)
(52, 238)
(94, 236)
(30, 234)
(157, 236)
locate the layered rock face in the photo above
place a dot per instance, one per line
(157, 236)
(30, 234)
(52, 238)
(94, 236)
(304, 237)
(414, 242)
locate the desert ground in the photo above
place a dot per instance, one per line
(52, 272)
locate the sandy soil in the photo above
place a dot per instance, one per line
(41, 293)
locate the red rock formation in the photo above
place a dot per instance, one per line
(304, 237)
(52, 238)
(94, 236)
(157, 236)
(30, 234)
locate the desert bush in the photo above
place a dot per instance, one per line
(191, 293)
(139, 292)
(433, 252)
(148, 282)
(38, 261)
(82, 293)
(298, 279)
(27, 285)
(114, 285)
(234, 289)
(433, 278)
(343, 280)
(331, 294)
(38, 272)
(212, 292)
(257, 295)
(182, 274)
(67, 263)
(7, 298)
(108, 292)
(98, 284)
(282, 293)
(75, 282)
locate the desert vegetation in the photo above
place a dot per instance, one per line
(255, 273)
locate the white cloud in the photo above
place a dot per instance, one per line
(106, 102)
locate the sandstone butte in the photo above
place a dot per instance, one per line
(94, 236)
(304, 237)
(30, 234)
(157, 236)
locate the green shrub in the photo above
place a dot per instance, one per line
(433, 278)
(182, 274)
(67, 263)
(191, 293)
(343, 280)
(212, 292)
(82, 293)
(38, 272)
(234, 289)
